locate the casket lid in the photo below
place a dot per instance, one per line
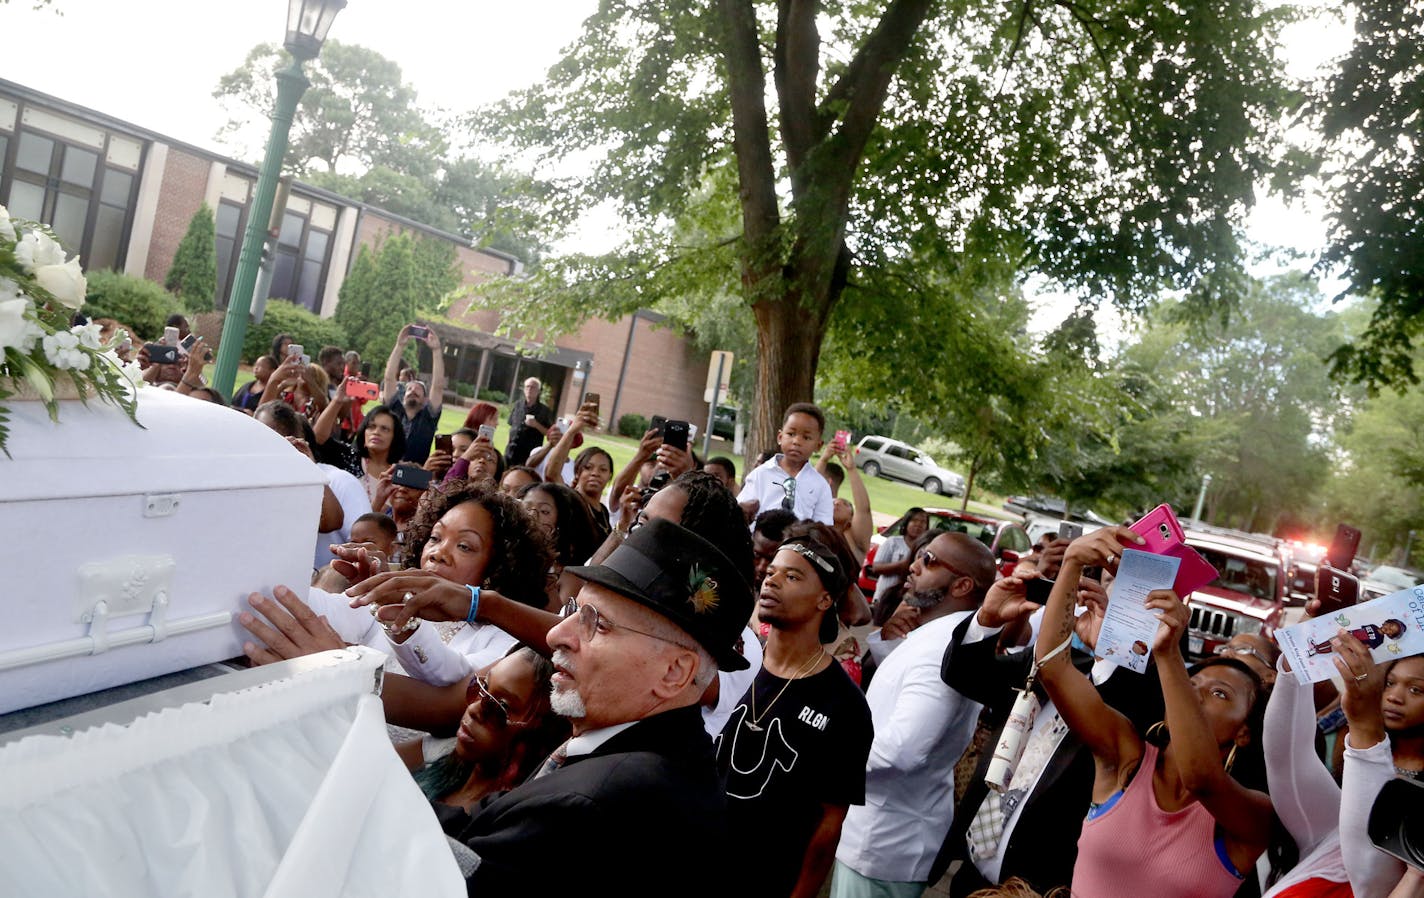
(185, 444)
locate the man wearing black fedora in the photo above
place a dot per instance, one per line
(632, 803)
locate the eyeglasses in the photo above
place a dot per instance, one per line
(788, 488)
(1244, 650)
(930, 559)
(495, 708)
(592, 621)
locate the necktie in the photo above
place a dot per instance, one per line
(986, 830)
(554, 761)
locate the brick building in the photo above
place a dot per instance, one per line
(122, 196)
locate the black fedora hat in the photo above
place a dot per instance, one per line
(673, 571)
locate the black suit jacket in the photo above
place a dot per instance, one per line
(1043, 845)
(643, 813)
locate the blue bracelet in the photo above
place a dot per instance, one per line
(474, 603)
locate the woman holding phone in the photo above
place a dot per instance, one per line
(1166, 820)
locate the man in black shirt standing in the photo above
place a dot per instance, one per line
(416, 410)
(529, 421)
(794, 750)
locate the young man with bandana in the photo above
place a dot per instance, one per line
(794, 750)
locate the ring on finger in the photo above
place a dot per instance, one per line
(405, 599)
(1359, 678)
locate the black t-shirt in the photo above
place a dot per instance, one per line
(419, 431)
(811, 750)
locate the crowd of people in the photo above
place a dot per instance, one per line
(655, 679)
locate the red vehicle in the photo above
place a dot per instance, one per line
(1008, 540)
(1248, 597)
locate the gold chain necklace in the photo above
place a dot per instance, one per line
(754, 724)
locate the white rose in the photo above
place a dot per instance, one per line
(13, 327)
(36, 250)
(65, 282)
(7, 230)
(88, 335)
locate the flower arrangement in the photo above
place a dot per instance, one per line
(40, 290)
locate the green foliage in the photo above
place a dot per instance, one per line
(284, 317)
(1113, 153)
(194, 274)
(632, 425)
(134, 302)
(464, 390)
(498, 397)
(1370, 113)
(1252, 397)
(360, 116)
(358, 110)
(387, 286)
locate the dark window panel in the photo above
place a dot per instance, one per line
(70, 211)
(228, 216)
(108, 234)
(284, 276)
(292, 225)
(35, 153)
(310, 283)
(79, 167)
(118, 187)
(316, 246)
(26, 200)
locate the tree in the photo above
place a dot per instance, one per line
(357, 114)
(359, 133)
(388, 286)
(193, 277)
(1370, 112)
(1254, 397)
(1112, 151)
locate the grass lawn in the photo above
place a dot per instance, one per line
(888, 498)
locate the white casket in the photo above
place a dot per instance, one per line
(127, 552)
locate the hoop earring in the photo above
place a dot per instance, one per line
(1158, 727)
(1230, 758)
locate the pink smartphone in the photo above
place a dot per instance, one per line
(1164, 536)
(839, 441)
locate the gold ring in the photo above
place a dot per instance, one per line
(1360, 677)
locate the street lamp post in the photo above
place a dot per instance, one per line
(307, 24)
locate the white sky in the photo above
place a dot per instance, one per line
(155, 63)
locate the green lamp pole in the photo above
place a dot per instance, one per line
(307, 24)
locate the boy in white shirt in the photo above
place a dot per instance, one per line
(786, 480)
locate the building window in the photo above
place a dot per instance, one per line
(231, 217)
(301, 258)
(85, 200)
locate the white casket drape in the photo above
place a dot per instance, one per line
(286, 790)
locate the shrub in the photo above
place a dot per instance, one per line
(632, 426)
(194, 275)
(283, 317)
(134, 302)
(498, 397)
(464, 390)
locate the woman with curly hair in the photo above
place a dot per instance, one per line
(469, 538)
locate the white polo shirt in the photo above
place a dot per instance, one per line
(922, 726)
(766, 485)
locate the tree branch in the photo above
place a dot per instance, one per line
(797, 63)
(870, 73)
(746, 84)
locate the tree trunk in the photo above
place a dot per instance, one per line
(789, 339)
(969, 484)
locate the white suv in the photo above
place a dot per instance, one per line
(884, 457)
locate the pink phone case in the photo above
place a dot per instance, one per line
(1164, 536)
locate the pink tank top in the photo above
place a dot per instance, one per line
(1132, 847)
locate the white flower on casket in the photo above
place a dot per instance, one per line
(66, 283)
(63, 352)
(36, 250)
(7, 230)
(13, 326)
